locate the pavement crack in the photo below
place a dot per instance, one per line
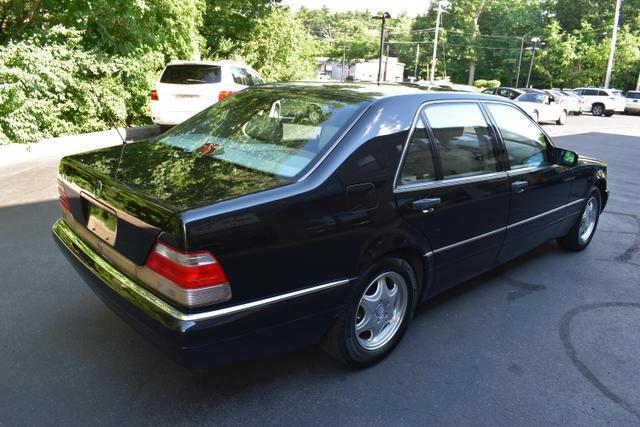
(632, 250)
(565, 336)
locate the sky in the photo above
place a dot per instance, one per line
(411, 7)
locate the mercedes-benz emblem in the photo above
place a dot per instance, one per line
(97, 188)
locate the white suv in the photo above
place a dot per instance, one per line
(601, 101)
(188, 87)
(633, 102)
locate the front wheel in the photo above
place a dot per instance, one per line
(375, 316)
(583, 230)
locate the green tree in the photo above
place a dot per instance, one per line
(280, 48)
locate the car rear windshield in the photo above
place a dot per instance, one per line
(188, 74)
(633, 95)
(280, 132)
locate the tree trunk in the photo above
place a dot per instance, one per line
(474, 34)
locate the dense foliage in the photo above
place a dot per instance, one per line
(66, 65)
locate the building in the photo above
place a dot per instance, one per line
(364, 70)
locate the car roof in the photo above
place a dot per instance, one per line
(373, 91)
(222, 62)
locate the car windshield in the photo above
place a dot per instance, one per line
(188, 74)
(538, 98)
(279, 132)
(633, 95)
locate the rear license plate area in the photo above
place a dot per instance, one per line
(101, 220)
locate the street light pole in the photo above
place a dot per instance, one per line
(415, 66)
(614, 38)
(535, 42)
(383, 18)
(520, 60)
(435, 42)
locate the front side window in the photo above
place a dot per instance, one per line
(526, 144)
(281, 133)
(418, 163)
(238, 76)
(463, 139)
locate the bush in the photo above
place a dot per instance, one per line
(50, 86)
(486, 83)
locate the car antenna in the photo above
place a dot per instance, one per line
(108, 114)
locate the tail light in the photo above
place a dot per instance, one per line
(192, 278)
(223, 94)
(64, 199)
(154, 95)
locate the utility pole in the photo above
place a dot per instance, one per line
(535, 42)
(386, 64)
(520, 60)
(435, 42)
(382, 18)
(415, 66)
(344, 57)
(614, 38)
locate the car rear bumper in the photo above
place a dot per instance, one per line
(197, 339)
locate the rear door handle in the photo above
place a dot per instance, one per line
(426, 205)
(519, 186)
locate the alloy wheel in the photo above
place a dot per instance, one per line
(381, 310)
(588, 220)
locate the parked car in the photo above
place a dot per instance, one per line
(292, 213)
(506, 92)
(633, 102)
(542, 108)
(188, 87)
(572, 102)
(601, 101)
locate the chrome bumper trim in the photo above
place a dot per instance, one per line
(149, 303)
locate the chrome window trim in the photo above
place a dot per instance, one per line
(399, 188)
(404, 188)
(508, 227)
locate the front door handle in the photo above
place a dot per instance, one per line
(426, 205)
(519, 186)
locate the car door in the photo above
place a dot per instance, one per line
(452, 188)
(539, 188)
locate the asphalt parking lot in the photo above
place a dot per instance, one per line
(548, 339)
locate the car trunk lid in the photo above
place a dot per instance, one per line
(140, 186)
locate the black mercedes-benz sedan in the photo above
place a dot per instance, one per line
(292, 214)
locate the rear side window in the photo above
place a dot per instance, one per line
(590, 92)
(526, 144)
(418, 163)
(602, 93)
(186, 74)
(463, 139)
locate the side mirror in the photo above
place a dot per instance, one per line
(566, 157)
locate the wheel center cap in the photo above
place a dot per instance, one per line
(380, 310)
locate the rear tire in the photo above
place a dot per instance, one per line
(563, 118)
(597, 109)
(583, 230)
(375, 316)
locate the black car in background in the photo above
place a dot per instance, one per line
(505, 92)
(296, 213)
